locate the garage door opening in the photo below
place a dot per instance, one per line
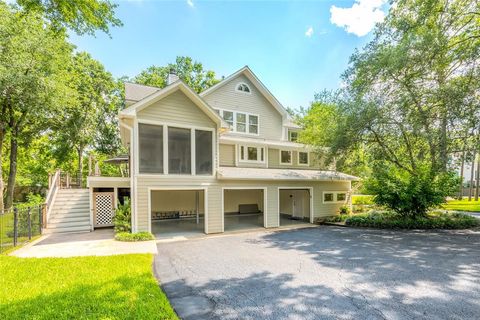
(243, 209)
(294, 206)
(177, 212)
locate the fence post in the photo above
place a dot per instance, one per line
(40, 219)
(29, 217)
(15, 226)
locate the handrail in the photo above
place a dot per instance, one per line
(54, 185)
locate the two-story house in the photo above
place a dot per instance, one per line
(221, 160)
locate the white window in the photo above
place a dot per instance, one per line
(252, 154)
(241, 122)
(292, 136)
(334, 197)
(187, 151)
(303, 158)
(150, 138)
(285, 157)
(242, 87)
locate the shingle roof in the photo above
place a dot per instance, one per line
(235, 173)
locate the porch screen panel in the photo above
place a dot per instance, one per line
(179, 151)
(151, 148)
(203, 152)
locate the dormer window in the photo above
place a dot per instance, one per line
(242, 87)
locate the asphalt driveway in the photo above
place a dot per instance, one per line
(324, 273)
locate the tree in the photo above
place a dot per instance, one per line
(83, 119)
(82, 16)
(191, 72)
(32, 65)
(411, 93)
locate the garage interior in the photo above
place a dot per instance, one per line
(243, 209)
(177, 212)
(294, 206)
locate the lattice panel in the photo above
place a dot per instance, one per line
(103, 208)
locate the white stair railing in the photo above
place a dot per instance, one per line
(53, 187)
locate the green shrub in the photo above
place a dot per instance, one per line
(33, 202)
(123, 217)
(361, 199)
(409, 194)
(344, 210)
(434, 220)
(130, 237)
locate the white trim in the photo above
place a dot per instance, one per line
(192, 129)
(205, 202)
(162, 93)
(280, 157)
(243, 83)
(233, 128)
(258, 85)
(308, 159)
(335, 196)
(265, 209)
(297, 188)
(245, 154)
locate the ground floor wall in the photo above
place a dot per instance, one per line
(214, 198)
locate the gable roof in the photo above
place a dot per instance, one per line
(162, 93)
(247, 72)
(135, 92)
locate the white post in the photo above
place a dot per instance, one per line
(196, 206)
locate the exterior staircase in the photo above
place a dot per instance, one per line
(70, 212)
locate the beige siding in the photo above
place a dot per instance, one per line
(214, 197)
(226, 97)
(274, 160)
(176, 108)
(227, 155)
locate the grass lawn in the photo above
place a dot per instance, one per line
(114, 287)
(462, 205)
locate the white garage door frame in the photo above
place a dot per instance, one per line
(265, 210)
(296, 188)
(205, 202)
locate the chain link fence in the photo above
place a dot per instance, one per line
(19, 225)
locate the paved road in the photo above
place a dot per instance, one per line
(324, 273)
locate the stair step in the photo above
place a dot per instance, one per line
(63, 197)
(67, 224)
(73, 207)
(61, 215)
(68, 230)
(67, 218)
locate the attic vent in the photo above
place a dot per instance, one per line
(242, 87)
(172, 77)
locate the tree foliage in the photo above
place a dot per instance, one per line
(411, 98)
(191, 72)
(81, 16)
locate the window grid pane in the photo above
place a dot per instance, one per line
(203, 152)
(303, 157)
(252, 153)
(151, 148)
(179, 151)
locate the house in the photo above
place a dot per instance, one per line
(224, 159)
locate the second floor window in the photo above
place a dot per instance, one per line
(241, 122)
(252, 154)
(303, 158)
(285, 157)
(292, 136)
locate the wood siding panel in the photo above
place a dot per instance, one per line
(214, 197)
(176, 108)
(227, 155)
(226, 97)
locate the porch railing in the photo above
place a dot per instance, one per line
(53, 186)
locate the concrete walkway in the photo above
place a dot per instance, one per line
(97, 243)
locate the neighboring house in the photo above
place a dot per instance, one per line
(224, 159)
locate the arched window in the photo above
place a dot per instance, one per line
(243, 88)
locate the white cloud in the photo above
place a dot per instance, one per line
(360, 18)
(309, 32)
(190, 3)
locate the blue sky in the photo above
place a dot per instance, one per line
(295, 48)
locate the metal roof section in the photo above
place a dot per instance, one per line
(236, 173)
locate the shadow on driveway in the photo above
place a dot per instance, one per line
(325, 272)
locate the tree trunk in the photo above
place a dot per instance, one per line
(2, 186)
(12, 174)
(460, 194)
(472, 171)
(477, 180)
